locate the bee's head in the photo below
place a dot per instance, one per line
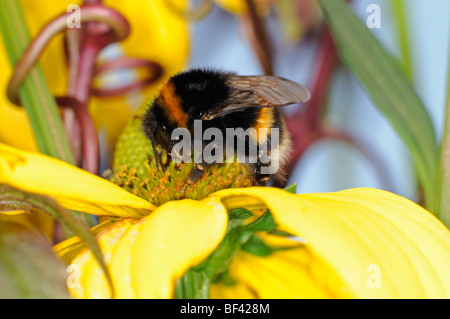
(157, 126)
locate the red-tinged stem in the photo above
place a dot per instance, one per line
(83, 47)
(73, 130)
(123, 63)
(302, 139)
(305, 125)
(82, 85)
(88, 132)
(156, 71)
(73, 43)
(326, 60)
(119, 30)
(73, 39)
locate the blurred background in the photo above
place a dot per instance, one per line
(330, 165)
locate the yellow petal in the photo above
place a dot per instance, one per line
(284, 274)
(71, 247)
(238, 7)
(14, 127)
(233, 6)
(378, 244)
(93, 280)
(165, 34)
(72, 187)
(237, 290)
(145, 257)
(37, 220)
(176, 236)
(120, 264)
(12, 212)
(280, 241)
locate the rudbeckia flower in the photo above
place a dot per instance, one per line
(252, 242)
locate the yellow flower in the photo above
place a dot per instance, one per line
(359, 243)
(157, 34)
(238, 7)
(37, 221)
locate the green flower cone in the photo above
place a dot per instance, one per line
(134, 169)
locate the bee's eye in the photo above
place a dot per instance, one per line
(164, 127)
(202, 114)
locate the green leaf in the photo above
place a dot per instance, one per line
(195, 282)
(389, 89)
(28, 267)
(193, 285)
(291, 188)
(398, 9)
(225, 279)
(264, 223)
(240, 213)
(12, 199)
(257, 247)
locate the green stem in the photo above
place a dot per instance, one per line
(398, 7)
(35, 95)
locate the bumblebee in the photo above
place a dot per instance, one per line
(224, 100)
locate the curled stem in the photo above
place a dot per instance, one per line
(155, 68)
(90, 12)
(89, 139)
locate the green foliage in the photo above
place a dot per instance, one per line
(389, 89)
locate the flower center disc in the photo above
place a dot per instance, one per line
(134, 169)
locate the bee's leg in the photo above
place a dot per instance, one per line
(278, 179)
(157, 157)
(202, 164)
(197, 172)
(258, 178)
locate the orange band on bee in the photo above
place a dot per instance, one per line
(172, 102)
(265, 120)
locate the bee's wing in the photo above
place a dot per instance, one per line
(262, 91)
(270, 90)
